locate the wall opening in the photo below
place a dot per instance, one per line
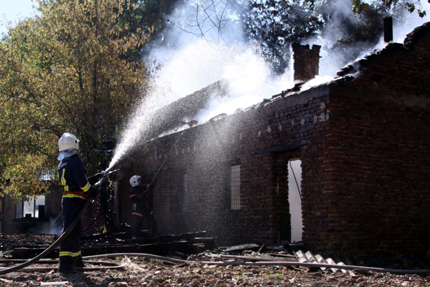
(235, 187)
(294, 198)
(31, 208)
(182, 191)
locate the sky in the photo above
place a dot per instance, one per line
(13, 11)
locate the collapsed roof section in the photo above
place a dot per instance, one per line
(180, 113)
(176, 115)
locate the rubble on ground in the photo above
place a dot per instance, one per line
(193, 271)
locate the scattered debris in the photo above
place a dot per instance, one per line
(195, 271)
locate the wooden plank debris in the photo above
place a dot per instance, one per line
(54, 284)
(250, 246)
(259, 257)
(283, 255)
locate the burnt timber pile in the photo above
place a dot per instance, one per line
(24, 246)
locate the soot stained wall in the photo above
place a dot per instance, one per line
(261, 140)
(364, 143)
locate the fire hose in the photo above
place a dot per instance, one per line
(59, 240)
(180, 261)
(50, 248)
(228, 263)
(76, 220)
(263, 263)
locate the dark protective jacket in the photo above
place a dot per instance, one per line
(141, 196)
(71, 172)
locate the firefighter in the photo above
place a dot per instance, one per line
(77, 189)
(141, 197)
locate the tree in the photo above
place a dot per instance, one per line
(411, 6)
(149, 15)
(67, 70)
(275, 24)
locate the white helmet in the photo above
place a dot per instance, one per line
(134, 180)
(68, 141)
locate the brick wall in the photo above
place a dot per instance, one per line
(365, 149)
(306, 61)
(379, 152)
(378, 165)
(260, 140)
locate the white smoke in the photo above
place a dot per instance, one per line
(52, 226)
(200, 64)
(409, 22)
(192, 68)
(330, 63)
(191, 62)
(249, 80)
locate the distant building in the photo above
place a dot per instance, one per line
(34, 216)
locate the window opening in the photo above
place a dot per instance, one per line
(31, 208)
(294, 198)
(235, 187)
(182, 191)
(185, 183)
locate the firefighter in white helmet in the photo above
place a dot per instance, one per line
(72, 175)
(141, 196)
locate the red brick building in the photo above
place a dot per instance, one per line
(364, 144)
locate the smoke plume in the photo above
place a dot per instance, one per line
(212, 48)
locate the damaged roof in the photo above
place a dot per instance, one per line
(168, 118)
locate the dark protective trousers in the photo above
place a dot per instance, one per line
(138, 220)
(70, 249)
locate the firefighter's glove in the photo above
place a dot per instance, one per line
(93, 192)
(101, 180)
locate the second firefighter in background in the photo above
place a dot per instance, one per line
(141, 196)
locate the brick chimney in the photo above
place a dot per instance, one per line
(306, 61)
(388, 29)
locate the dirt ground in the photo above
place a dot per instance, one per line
(143, 271)
(138, 272)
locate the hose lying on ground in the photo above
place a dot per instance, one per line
(48, 269)
(61, 238)
(50, 248)
(219, 263)
(263, 263)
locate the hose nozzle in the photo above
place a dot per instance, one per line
(102, 179)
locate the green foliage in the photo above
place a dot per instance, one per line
(148, 15)
(275, 24)
(367, 29)
(68, 70)
(359, 6)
